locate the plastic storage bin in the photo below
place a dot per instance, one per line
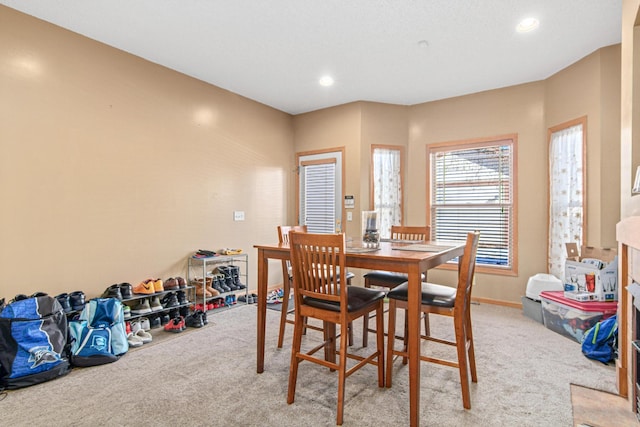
(573, 318)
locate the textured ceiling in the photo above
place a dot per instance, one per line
(394, 51)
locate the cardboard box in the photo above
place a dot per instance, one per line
(594, 271)
(573, 318)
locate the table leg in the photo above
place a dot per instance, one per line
(263, 278)
(413, 319)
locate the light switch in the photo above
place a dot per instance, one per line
(349, 216)
(238, 215)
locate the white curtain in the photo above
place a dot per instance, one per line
(387, 189)
(566, 195)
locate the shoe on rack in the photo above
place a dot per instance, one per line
(155, 321)
(112, 291)
(171, 284)
(157, 285)
(63, 299)
(145, 336)
(164, 318)
(182, 297)
(127, 311)
(126, 290)
(235, 274)
(213, 291)
(142, 307)
(184, 311)
(135, 326)
(145, 324)
(127, 327)
(155, 304)
(134, 340)
(144, 288)
(181, 283)
(204, 318)
(175, 325)
(170, 300)
(194, 320)
(77, 300)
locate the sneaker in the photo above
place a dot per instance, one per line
(112, 291)
(144, 288)
(175, 325)
(127, 311)
(164, 319)
(134, 340)
(182, 298)
(142, 307)
(127, 326)
(145, 324)
(126, 290)
(135, 326)
(170, 300)
(155, 304)
(194, 320)
(144, 336)
(157, 285)
(155, 321)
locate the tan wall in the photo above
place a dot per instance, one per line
(330, 128)
(629, 135)
(519, 110)
(567, 99)
(114, 169)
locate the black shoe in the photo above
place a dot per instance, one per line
(204, 318)
(155, 322)
(39, 294)
(195, 320)
(126, 290)
(184, 311)
(1, 304)
(18, 297)
(63, 299)
(77, 300)
(170, 300)
(235, 273)
(164, 318)
(112, 291)
(182, 298)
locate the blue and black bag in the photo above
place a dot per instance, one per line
(33, 339)
(600, 341)
(99, 335)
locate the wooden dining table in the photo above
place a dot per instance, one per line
(412, 258)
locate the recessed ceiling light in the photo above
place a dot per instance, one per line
(527, 24)
(326, 81)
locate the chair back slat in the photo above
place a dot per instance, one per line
(400, 232)
(466, 271)
(283, 237)
(317, 260)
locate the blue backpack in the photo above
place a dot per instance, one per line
(99, 336)
(600, 342)
(33, 339)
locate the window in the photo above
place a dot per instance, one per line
(472, 188)
(320, 191)
(386, 186)
(566, 191)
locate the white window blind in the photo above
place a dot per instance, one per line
(471, 189)
(319, 197)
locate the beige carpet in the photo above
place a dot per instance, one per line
(596, 408)
(207, 377)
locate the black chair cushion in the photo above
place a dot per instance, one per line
(357, 298)
(432, 294)
(387, 278)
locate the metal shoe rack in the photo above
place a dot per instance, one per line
(201, 267)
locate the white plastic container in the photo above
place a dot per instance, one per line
(542, 282)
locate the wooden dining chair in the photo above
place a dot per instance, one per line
(287, 277)
(317, 261)
(388, 279)
(447, 301)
